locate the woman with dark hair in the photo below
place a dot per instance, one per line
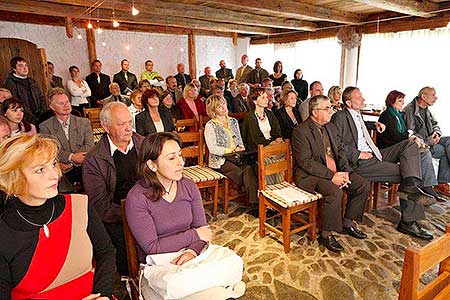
(13, 110)
(260, 125)
(168, 103)
(300, 85)
(288, 117)
(396, 131)
(278, 77)
(154, 118)
(53, 246)
(78, 89)
(144, 85)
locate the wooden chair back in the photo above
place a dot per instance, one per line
(195, 150)
(130, 244)
(239, 116)
(417, 262)
(181, 124)
(203, 121)
(93, 114)
(276, 167)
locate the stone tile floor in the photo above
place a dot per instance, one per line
(367, 269)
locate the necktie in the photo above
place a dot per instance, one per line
(126, 76)
(368, 139)
(242, 71)
(329, 160)
(65, 127)
(98, 79)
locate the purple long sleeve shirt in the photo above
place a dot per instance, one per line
(160, 226)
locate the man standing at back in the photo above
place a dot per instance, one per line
(98, 83)
(126, 80)
(109, 172)
(256, 76)
(224, 73)
(244, 70)
(26, 89)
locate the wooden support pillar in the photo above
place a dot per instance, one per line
(192, 56)
(69, 27)
(235, 39)
(92, 50)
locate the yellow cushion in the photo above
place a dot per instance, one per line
(201, 174)
(269, 193)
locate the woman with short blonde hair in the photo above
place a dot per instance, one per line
(50, 242)
(191, 104)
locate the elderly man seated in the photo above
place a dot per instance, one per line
(73, 133)
(109, 172)
(116, 95)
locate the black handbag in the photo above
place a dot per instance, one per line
(242, 157)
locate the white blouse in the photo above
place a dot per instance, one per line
(159, 126)
(264, 126)
(78, 95)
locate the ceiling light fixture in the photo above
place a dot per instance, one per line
(134, 10)
(115, 23)
(89, 25)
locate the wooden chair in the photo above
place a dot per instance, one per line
(133, 261)
(417, 262)
(93, 114)
(268, 197)
(181, 124)
(204, 177)
(203, 120)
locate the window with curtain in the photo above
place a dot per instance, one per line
(318, 59)
(407, 61)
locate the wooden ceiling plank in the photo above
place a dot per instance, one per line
(409, 7)
(201, 12)
(56, 9)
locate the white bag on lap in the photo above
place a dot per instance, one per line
(216, 266)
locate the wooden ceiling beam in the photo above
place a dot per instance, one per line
(200, 12)
(409, 7)
(286, 8)
(63, 10)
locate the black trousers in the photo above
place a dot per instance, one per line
(242, 175)
(389, 170)
(331, 206)
(115, 232)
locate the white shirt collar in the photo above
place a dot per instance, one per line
(113, 147)
(18, 76)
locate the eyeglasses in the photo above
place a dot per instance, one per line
(328, 108)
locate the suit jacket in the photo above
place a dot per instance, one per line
(347, 134)
(420, 127)
(239, 104)
(56, 82)
(187, 112)
(81, 138)
(123, 98)
(309, 153)
(253, 136)
(180, 81)
(286, 123)
(145, 125)
(99, 91)
(256, 78)
(131, 83)
(176, 95)
(245, 73)
(205, 84)
(391, 135)
(226, 74)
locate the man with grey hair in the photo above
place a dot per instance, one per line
(109, 172)
(321, 166)
(116, 96)
(421, 123)
(73, 133)
(240, 101)
(315, 88)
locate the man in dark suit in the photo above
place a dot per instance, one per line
(115, 96)
(256, 76)
(55, 81)
(74, 134)
(172, 88)
(205, 82)
(224, 73)
(98, 83)
(182, 79)
(399, 163)
(127, 81)
(321, 166)
(239, 103)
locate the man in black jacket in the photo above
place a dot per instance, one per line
(98, 83)
(399, 163)
(26, 89)
(182, 79)
(321, 166)
(127, 81)
(224, 73)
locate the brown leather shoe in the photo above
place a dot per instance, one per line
(443, 188)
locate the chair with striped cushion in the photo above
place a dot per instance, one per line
(204, 177)
(284, 197)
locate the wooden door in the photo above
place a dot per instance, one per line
(37, 60)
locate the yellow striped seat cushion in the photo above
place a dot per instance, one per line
(201, 174)
(304, 197)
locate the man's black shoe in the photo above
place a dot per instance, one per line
(414, 193)
(330, 243)
(355, 232)
(414, 229)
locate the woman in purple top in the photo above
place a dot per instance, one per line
(164, 210)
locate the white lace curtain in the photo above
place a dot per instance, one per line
(407, 61)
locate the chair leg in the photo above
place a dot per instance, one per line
(312, 219)
(286, 226)
(225, 196)
(216, 199)
(262, 216)
(392, 194)
(376, 193)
